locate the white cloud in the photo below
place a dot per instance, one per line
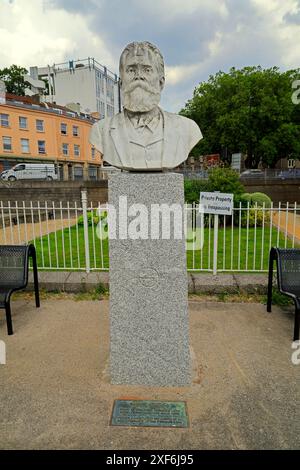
(174, 8)
(285, 34)
(180, 73)
(196, 37)
(38, 36)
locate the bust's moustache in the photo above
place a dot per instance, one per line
(139, 84)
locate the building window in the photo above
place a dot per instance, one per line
(110, 90)
(22, 122)
(41, 146)
(7, 144)
(78, 172)
(110, 110)
(65, 149)
(63, 128)
(4, 119)
(92, 173)
(25, 145)
(93, 152)
(39, 125)
(101, 109)
(76, 150)
(75, 131)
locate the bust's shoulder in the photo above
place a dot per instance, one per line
(186, 128)
(180, 120)
(103, 123)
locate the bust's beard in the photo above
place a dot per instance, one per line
(140, 98)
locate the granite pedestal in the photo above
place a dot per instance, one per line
(149, 332)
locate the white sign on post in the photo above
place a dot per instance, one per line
(236, 160)
(216, 203)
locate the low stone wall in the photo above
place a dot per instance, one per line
(279, 191)
(52, 191)
(283, 191)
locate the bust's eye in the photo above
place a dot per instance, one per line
(130, 70)
(148, 69)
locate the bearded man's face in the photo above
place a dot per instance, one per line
(141, 85)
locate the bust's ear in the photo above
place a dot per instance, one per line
(162, 82)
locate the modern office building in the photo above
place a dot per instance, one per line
(44, 132)
(84, 85)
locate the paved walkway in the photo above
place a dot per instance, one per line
(288, 222)
(55, 390)
(18, 234)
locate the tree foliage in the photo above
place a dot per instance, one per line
(224, 180)
(13, 78)
(249, 111)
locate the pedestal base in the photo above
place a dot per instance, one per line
(149, 337)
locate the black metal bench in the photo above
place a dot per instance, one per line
(288, 279)
(14, 264)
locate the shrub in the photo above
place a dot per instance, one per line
(261, 199)
(260, 217)
(255, 201)
(224, 180)
(92, 217)
(192, 189)
(254, 198)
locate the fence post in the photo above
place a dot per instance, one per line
(85, 230)
(216, 228)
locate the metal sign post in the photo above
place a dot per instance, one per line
(215, 259)
(218, 204)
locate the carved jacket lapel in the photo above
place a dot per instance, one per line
(120, 139)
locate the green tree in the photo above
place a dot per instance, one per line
(250, 111)
(224, 180)
(13, 78)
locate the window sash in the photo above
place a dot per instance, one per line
(25, 145)
(39, 125)
(41, 146)
(63, 129)
(65, 149)
(7, 143)
(4, 118)
(76, 150)
(22, 122)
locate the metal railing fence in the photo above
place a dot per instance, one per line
(66, 235)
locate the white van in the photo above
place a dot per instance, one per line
(32, 171)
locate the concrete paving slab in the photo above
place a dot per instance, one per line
(200, 283)
(55, 391)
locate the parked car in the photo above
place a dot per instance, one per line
(3, 173)
(40, 171)
(253, 173)
(291, 173)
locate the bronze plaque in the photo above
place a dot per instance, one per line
(172, 414)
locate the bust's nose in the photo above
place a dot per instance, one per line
(139, 74)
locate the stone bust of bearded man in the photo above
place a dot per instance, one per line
(143, 137)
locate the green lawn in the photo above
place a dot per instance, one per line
(251, 254)
(65, 249)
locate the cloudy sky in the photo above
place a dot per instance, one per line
(196, 37)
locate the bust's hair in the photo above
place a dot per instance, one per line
(143, 45)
